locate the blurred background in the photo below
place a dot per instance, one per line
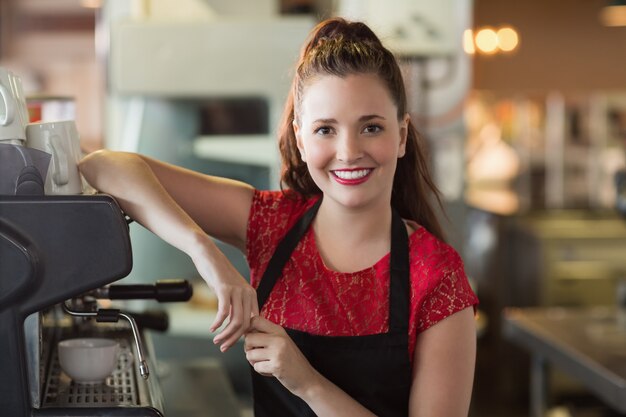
(523, 104)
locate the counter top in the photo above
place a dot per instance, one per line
(197, 388)
(589, 344)
(185, 320)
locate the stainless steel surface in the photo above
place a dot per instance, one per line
(197, 388)
(120, 389)
(125, 393)
(589, 344)
(141, 361)
(32, 332)
(37, 276)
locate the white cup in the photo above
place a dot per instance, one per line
(91, 360)
(59, 139)
(13, 110)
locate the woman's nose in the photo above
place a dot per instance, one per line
(349, 148)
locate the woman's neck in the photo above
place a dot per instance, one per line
(341, 233)
(354, 224)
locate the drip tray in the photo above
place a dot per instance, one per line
(119, 389)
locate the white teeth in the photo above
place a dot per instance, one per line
(352, 175)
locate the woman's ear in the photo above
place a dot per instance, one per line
(296, 131)
(404, 131)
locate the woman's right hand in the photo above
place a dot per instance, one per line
(236, 298)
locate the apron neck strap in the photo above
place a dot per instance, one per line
(399, 282)
(282, 253)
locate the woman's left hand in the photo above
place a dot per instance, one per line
(271, 352)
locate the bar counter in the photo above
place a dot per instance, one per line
(588, 344)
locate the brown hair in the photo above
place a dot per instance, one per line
(338, 47)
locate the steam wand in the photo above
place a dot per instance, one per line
(110, 315)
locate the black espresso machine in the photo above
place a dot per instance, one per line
(57, 256)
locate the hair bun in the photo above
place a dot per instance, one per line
(339, 29)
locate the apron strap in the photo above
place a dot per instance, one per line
(282, 253)
(399, 283)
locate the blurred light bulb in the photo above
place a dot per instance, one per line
(614, 15)
(487, 41)
(468, 42)
(91, 4)
(507, 39)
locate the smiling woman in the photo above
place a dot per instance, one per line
(359, 145)
(389, 332)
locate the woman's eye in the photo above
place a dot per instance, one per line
(324, 130)
(372, 129)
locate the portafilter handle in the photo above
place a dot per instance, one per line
(110, 315)
(168, 290)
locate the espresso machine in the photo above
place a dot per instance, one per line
(57, 256)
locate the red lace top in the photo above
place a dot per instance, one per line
(312, 298)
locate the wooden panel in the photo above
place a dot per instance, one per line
(563, 46)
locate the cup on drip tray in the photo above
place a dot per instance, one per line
(92, 360)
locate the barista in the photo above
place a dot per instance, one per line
(389, 331)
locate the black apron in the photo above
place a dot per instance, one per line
(375, 370)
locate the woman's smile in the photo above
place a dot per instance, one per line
(352, 176)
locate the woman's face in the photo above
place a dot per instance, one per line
(349, 135)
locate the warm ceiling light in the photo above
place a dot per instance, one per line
(507, 39)
(468, 42)
(487, 41)
(614, 14)
(91, 4)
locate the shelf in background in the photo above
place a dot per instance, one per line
(259, 150)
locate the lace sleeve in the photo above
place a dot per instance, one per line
(451, 295)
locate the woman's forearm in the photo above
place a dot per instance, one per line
(130, 179)
(133, 184)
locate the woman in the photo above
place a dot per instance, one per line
(364, 309)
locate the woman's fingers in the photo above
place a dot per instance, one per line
(255, 340)
(261, 324)
(258, 354)
(255, 304)
(229, 335)
(237, 300)
(223, 310)
(242, 305)
(263, 368)
(271, 352)
(247, 309)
